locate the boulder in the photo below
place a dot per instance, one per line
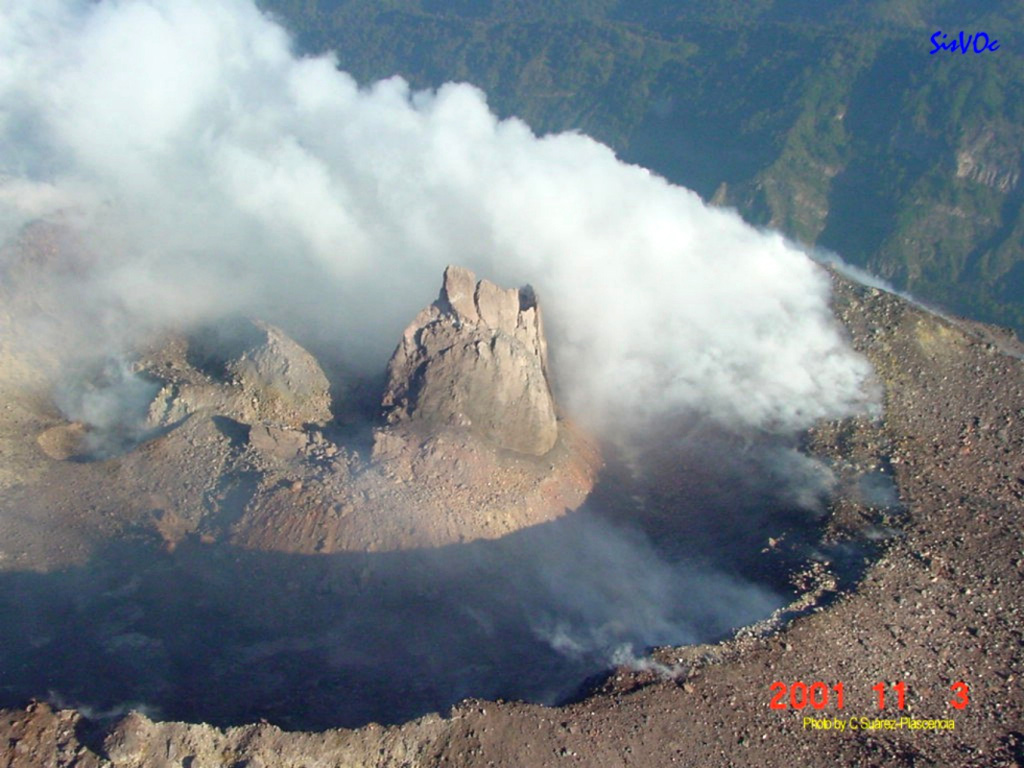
(278, 444)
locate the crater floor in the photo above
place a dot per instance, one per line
(941, 605)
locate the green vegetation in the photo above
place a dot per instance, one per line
(829, 121)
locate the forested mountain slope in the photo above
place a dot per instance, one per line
(833, 122)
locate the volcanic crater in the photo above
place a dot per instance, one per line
(240, 542)
(208, 530)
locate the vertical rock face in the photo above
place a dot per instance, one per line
(476, 359)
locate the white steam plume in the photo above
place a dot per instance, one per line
(222, 173)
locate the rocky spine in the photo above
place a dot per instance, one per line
(476, 359)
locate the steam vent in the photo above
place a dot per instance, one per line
(477, 359)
